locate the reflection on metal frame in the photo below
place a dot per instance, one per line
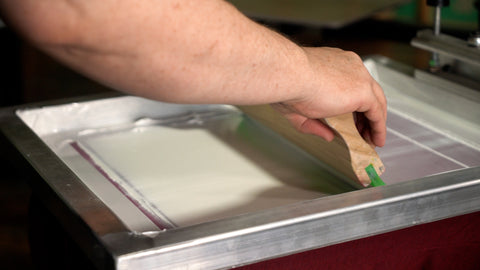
(300, 227)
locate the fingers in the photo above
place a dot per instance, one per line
(371, 124)
(377, 130)
(310, 126)
(382, 99)
(316, 127)
(363, 127)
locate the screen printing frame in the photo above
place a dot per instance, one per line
(243, 239)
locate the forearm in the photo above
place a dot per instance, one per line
(206, 51)
(179, 51)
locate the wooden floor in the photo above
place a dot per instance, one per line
(28, 76)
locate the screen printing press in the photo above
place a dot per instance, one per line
(140, 184)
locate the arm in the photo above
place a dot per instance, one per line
(201, 52)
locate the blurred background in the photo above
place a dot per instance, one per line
(29, 76)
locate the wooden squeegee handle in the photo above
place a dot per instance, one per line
(361, 154)
(348, 153)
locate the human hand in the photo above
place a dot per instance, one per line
(339, 84)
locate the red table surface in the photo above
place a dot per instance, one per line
(452, 243)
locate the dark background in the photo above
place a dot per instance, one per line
(27, 75)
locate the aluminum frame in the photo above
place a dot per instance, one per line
(242, 239)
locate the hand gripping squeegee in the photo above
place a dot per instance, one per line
(348, 154)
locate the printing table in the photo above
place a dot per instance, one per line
(121, 174)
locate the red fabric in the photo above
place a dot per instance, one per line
(447, 244)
